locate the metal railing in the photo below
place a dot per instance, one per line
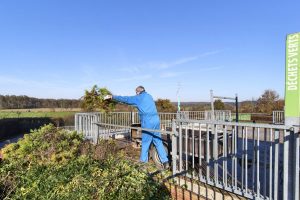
(278, 117)
(257, 161)
(84, 121)
(219, 115)
(166, 120)
(105, 131)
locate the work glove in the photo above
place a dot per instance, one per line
(107, 97)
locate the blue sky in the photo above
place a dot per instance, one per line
(59, 48)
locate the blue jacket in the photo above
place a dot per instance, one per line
(146, 107)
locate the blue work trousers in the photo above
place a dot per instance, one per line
(147, 139)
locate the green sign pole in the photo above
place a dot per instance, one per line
(292, 80)
(292, 116)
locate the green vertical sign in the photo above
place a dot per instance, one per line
(292, 79)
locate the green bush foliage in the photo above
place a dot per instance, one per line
(93, 100)
(165, 105)
(51, 163)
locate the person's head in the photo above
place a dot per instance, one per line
(139, 90)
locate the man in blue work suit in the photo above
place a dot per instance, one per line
(149, 120)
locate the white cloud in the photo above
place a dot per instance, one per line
(161, 65)
(135, 78)
(166, 65)
(209, 53)
(168, 75)
(180, 61)
(133, 69)
(211, 68)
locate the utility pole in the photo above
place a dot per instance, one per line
(212, 105)
(236, 108)
(178, 97)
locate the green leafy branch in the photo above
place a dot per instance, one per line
(93, 100)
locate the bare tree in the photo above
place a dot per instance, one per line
(268, 101)
(247, 107)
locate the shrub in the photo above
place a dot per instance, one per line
(50, 163)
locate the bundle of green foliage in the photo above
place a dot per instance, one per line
(56, 164)
(93, 100)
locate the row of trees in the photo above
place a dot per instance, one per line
(20, 102)
(266, 103)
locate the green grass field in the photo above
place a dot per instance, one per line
(242, 117)
(33, 114)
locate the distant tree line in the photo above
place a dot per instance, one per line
(266, 103)
(21, 102)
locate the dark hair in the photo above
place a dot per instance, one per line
(140, 89)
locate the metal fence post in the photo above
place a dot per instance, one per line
(174, 147)
(97, 132)
(286, 143)
(76, 122)
(94, 129)
(296, 166)
(276, 163)
(215, 152)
